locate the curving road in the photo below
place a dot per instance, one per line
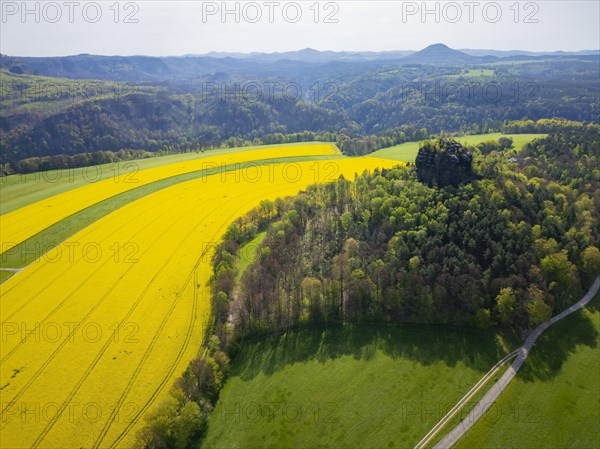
(490, 397)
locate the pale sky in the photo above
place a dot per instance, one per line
(158, 28)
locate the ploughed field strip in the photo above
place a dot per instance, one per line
(21, 224)
(92, 340)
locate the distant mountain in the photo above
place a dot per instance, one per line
(316, 56)
(122, 68)
(311, 55)
(177, 69)
(439, 54)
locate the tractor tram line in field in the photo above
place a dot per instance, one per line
(110, 340)
(90, 312)
(166, 379)
(168, 376)
(82, 234)
(106, 295)
(95, 307)
(103, 350)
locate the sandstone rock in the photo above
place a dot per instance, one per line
(444, 162)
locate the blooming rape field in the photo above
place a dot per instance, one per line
(18, 225)
(94, 335)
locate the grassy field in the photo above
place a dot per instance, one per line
(247, 254)
(555, 399)
(22, 190)
(473, 73)
(4, 275)
(407, 152)
(348, 387)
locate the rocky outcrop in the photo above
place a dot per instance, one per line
(444, 162)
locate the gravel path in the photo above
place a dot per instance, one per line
(490, 397)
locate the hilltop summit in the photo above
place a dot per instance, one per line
(439, 53)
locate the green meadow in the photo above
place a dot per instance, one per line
(352, 386)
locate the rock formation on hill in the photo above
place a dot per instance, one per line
(444, 162)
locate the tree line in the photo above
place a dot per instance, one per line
(349, 145)
(63, 161)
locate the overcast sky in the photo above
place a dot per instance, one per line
(194, 27)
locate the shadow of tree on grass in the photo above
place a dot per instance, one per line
(555, 345)
(426, 344)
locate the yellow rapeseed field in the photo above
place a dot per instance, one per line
(17, 226)
(94, 335)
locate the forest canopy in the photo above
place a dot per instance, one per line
(509, 249)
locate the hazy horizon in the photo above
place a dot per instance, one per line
(301, 49)
(161, 28)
